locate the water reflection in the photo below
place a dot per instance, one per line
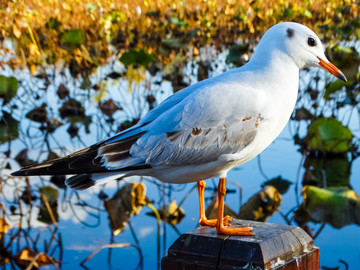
(53, 114)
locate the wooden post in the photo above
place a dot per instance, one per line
(274, 246)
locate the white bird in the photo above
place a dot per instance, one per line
(208, 128)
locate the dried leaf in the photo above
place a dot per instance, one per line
(62, 91)
(109, 107)
(212, 210)
(170, 213)
(303, 114)
(279, 183)
(38, 114)
(52, 155)
(72, 108)
(23, 159)
(262, 205)
(73, 130)
(27, 256)
(114, 75)
(59, 181)
(49, 196)
(126, 202)
(53, 124)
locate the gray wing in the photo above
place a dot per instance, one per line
(196, 145)
(217, 120)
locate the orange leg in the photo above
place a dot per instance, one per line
(221, 228)
(203, 221)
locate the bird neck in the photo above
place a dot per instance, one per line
(273, 58)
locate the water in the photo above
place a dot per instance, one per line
(83, 224)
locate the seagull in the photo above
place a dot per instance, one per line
(208, 128)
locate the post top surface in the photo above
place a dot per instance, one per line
(271, 244)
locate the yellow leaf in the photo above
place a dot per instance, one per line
(66, 6)
(16, 31)
(33, 69)
(102, 92)
(4, 226)
(196, 51)
(135, 74)
(33, 49)
(251, 27)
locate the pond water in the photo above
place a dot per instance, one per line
(82, 220)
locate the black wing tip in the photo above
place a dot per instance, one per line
(19, 173)
(33, 171)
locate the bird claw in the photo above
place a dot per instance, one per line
(244, 231)
(213, 222)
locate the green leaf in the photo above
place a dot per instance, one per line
(53, 23)
(306, 13)
(235, 53)
(86, 83)
(336, 206)
(328, 171)
(288, 13)
(73, 37)
(345, 58)
(335, 86)
(328, 135)
(8, 88)
(173, 43)
(154, 14)
(139, 57)
(117, 16)
(91, 7)
(178, 23)
(192, 33)
(8, 128)
(51, 194)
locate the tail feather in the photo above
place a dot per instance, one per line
(80, 181)
(84, 181)
(86, 161)
(90, 165)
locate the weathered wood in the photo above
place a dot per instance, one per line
(273, 247)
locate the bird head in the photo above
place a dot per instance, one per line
(302, 45)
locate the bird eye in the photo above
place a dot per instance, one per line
(311, 42)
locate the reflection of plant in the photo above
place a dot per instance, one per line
(79, 33)
(336, 206)
(329, 144)
(19, 244)
(154, 46)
